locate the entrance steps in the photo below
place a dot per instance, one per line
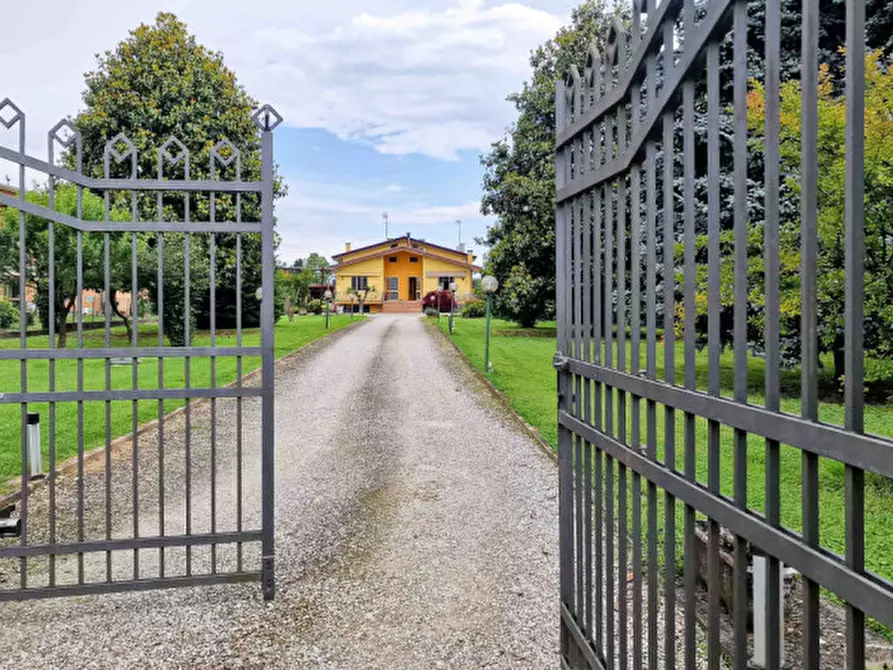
(401, 307)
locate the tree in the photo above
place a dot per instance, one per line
(295, 285)
(878, 276)
(319, 266)
(37, 267)
(832, 34)
(360, 295)
(159, 83)
(519, 172)
(831, 39)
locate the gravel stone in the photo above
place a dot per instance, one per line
(416, 527)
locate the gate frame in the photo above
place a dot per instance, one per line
(266, 119)
(592, 170)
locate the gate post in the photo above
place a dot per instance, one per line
(267, 119)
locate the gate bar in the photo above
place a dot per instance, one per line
(866, 591)
(854, 364)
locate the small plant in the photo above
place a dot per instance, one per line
(9, 315)
(474, 309)
(289, 309)
(315, 307)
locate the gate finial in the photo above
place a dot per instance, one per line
(266, 118)
(573, 91)
(592, 72)
(17, 114)
(55, 134)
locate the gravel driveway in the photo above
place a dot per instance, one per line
(416, 527)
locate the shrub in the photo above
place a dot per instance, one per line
(9, 315)
(432, 312)
(315, 306)
(446, 300)
(474, 309)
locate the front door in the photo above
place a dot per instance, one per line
(414, 288)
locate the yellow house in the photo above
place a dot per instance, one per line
(398, 273)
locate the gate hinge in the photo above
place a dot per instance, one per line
(561, 362)
(562, 396)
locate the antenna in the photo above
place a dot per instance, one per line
(384, 216)
(459, 224)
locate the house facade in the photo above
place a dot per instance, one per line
(397, 273)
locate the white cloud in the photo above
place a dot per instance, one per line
(323, 216)
(431, 82)
(395, 188)
(405, 75)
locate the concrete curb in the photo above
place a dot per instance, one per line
(498, 395)
(70, 465)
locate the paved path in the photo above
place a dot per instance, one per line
(416, 528)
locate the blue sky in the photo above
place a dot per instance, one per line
(387, 104)
(338, 190)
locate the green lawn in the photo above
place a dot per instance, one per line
(289, 337)
(522, 370)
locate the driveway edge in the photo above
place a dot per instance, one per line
(70, 465)
(497, 395)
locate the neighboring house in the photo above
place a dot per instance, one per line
(9, 288)
(397, 273)
(93, 304)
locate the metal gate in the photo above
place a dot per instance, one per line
(160, 455)
(659, 522)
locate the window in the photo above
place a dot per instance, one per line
(414, 259)
(445, 283)
(393, 285)
(359, 283)
(392, 259)
(393, 246)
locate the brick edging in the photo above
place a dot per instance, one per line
(499, 396)
(70, 465)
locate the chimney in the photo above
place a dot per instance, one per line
(470, 258)
(462, 247)
(346, 247)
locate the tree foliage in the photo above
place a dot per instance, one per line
(65, 264)
(519, 174)
(878, 174)
(319, 266)
(160, 83)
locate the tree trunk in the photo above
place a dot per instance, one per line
(124, 317)
(62, 312)
(839, 358)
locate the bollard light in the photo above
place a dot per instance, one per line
(35, 467)
(10, 527)
(761, 612)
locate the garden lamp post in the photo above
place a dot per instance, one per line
(489, 284)
(328, 298)
(453, 287)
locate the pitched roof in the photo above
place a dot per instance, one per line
(397, 239)
(421, 252)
